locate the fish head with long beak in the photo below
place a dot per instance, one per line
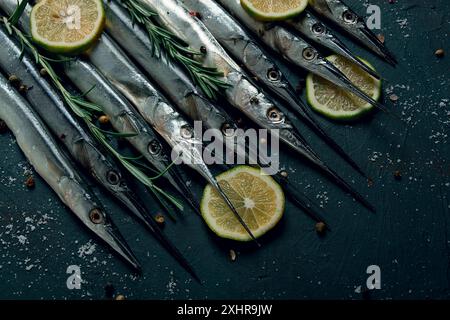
(95, 218)
(338, 12)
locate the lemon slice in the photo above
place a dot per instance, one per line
(274, 10)
(337, 103)
(258, 199)
(67, 26)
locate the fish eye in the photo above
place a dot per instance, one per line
(349, 17)
(318, 28)
(309, 54)
(154, 147)
(186, 132)
(113, 177)
(96, 216)
(275, 115)
(273, 75)
(227, 130)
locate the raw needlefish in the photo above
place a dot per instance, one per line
(178, 87)
(170, 77)
(125, 119)
(241, 93)
(344, 17)
(112, 62)
(52, 164)
(247, 51)
(296, 50)
(123, 116)
(50, 107)
(176, 131)
(80, 145)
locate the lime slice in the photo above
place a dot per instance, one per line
(274, 10)
(337, 103)
(67, 27)
(258, 199)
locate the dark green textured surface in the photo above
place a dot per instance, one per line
(408, 237)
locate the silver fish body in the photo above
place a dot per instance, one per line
(245, 96)
(154, 108)
(295, 50)
(66, 124)
(52, 164)
(241, 93)
(51, 108)
(343, 16)
(123, 117)
(174, 16)
(128, 79)
(169, 77)
(247, 51)
(175, 130)
(314, 29)
(174, 82)
(81, 146)
(243, 48)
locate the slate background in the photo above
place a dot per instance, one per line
(408, 237)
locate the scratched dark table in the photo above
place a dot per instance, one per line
(408, 236)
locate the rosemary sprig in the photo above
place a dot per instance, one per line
(83, 109)
(18, 12)
(165, 42)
